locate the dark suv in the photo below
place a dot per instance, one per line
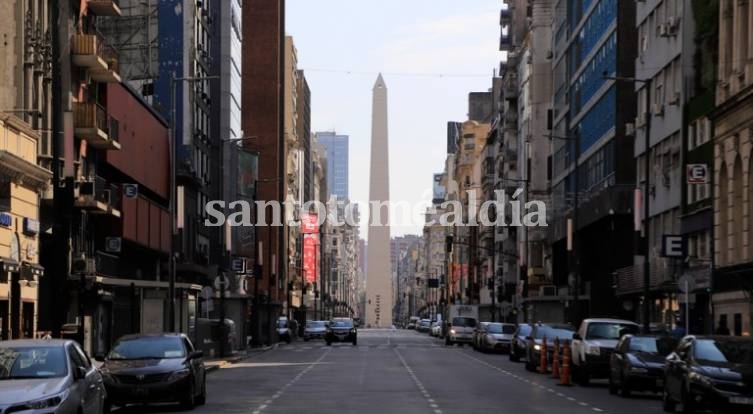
(341, 330)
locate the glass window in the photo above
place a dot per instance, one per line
(33, 362)
(609, 330)
(464, 322)
(148, 347)
(726, 351)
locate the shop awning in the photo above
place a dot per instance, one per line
(155, 284)
(30, 270)
(8, 265)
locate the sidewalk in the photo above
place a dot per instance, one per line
(215, 363)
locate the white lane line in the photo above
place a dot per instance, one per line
(432, 403)
(281, 391)
(533, 383)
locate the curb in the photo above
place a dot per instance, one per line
(232, 360)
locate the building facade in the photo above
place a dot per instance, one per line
(336, 146)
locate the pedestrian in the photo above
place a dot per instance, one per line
(722, 329)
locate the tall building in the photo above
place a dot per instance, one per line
(263, 106)
(25, 160)
(378, 275)
(337, 162)
(733, 169)
(593, 168)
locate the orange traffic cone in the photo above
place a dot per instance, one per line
(542, 362)
(556, 359)
(565, 377)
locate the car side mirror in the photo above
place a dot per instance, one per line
(577, 337)
(196, 355)
(79, 373)
(99, 357)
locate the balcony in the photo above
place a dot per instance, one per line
(92, 123)
(91, 52)
(104, 7)
(510, 87)
(98, 197)
(505, 17)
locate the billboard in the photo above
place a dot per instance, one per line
(310, 244)
(248, 173)
(439, 189)
(309, 223)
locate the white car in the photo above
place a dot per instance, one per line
(436, 329)
(461, 330)
(593, 345)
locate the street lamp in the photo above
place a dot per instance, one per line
(647, 172)
(173, 202)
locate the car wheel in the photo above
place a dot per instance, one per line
(189, 400)
(448, 342)
(582, 377)
(514, 355)
(624, 388)
(329, 343)
(667, 403)
(355, 342)
(202, 398)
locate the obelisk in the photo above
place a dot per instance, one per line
(379, 267)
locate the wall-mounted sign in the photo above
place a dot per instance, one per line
(113, 244)
(238, 265)
(6, 220)
(672, 246)
(130, 190)
(31, 226)
(697, 174)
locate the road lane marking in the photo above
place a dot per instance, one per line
(295, 379)
(432, 403)
(533, 383)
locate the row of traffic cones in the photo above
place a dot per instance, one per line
(558, 372)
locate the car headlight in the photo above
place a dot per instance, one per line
(176, 375)
(638, 370)
(537, 347)
(352, 331)
(452, 331)
(47, 402)
(701, 379)
(593, 350)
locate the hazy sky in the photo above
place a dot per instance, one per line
(411, 42)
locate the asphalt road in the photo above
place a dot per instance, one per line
(398, 372)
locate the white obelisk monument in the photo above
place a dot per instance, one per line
(379, 266)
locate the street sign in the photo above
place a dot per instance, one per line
(130, 190)
(686, 283)
(697, 174)
(206, 292)
(672, 246)
(221, 283)
(238, 265)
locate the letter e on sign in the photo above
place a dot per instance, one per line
(697, 174)
(673, 246)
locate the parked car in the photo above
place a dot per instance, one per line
(478, 333)
(550, 331)
(710, 372)
(637, 363)
(424, 325)
(341, 330)
(497, 337)
(287, 330)
(519, 341)
(461, 330)
(52, 375)
(154, 368)
(593, 345)
(314, 330)
(413, 322)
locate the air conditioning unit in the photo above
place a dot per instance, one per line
(640, 120)
(107, 196)
(84, 265)
(665, 179)
(548, 290)
(661, 30)
(658, 109)
(629, 129)
(85, 188)
(672, 24)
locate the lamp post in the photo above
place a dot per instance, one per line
(175, 226)
(647, 171)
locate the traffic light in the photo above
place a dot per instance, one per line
(448, 243)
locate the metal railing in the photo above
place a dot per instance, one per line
(94, 44)
(90, 115)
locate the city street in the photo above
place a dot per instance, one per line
(398, 371)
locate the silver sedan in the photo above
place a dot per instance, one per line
(42, 376)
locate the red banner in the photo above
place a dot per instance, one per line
(310, 244)
(309, 223)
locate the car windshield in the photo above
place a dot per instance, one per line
(464, 322)
(148, 347)
(551, 332)
(662, 346)
(609, 330)
(342, 323)
(315, 324)
(282, 324)
(721, 351)
(32, 362)
(495, 328)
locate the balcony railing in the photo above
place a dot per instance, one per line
(93, 124)
(104, 7)
(98, 196)
(91, 52)
(505, 42)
